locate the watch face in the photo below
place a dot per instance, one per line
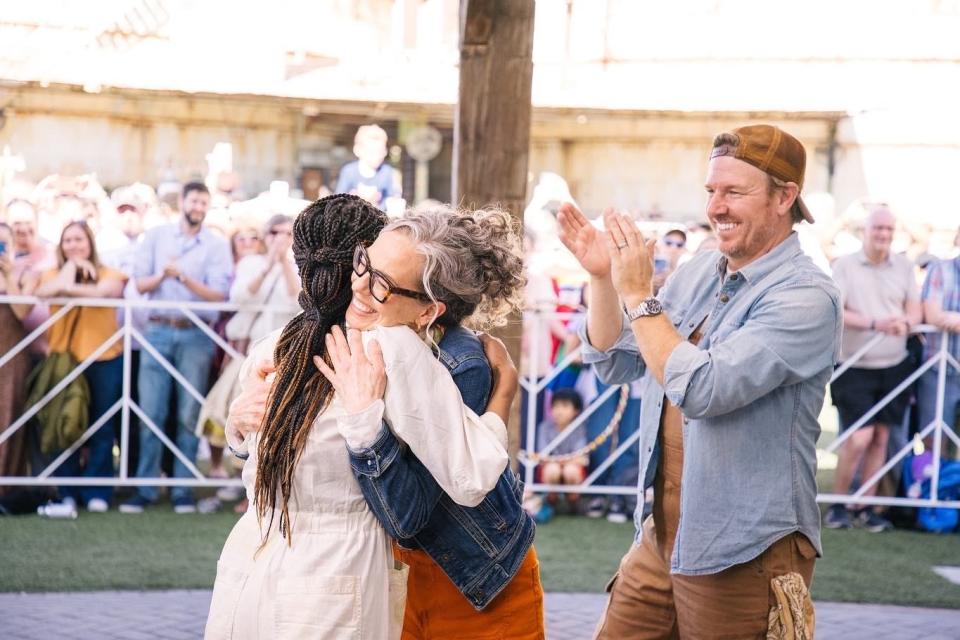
(649, 307)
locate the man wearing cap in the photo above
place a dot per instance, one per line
(737, 348)
(118, 244)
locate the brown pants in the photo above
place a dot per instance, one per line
(646, 601)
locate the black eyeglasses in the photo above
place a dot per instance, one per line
(381, 287)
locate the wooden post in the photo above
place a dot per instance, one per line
(491, 134)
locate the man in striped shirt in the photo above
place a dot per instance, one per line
(941, 307)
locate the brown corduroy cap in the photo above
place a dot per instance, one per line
(773, 151)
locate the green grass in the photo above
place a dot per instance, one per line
(887, 568)
(578, 554)
(161, 550)
(154, 550)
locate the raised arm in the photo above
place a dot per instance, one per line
(401, 491)
(790, 336)
(587, 245)
(144, 267)
(464, 453)
(109, 284)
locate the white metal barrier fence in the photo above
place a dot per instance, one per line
(937, 429)
(125, 405)
(534, 323)
(536, 328)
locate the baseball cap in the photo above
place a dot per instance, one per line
(773, 151)
(137, 195)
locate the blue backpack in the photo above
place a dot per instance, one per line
(916, 484)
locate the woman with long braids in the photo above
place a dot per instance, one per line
(473, 571)
(309, 559)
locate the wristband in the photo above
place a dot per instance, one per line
(239, 454)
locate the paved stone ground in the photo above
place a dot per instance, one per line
(180, 615)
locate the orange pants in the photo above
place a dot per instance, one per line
(436, 610)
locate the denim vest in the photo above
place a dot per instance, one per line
(479, 548)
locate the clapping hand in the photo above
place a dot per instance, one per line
(584, 241)
(631, 259)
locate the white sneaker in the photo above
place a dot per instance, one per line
(617, 513)
(208, 505)
(230, 494)
(98, 505)
(69, 501)
(184, 505)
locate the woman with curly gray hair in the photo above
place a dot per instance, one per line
(473, 571)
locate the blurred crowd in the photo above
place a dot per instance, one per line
(202, 242)
(198, 242)
(893, 276)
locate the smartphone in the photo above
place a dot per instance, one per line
(660, 265)
(3, 246)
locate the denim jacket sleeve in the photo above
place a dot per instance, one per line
(788, 337)
(399, 488)
(465, 454)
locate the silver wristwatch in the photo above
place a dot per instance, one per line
(648, 307)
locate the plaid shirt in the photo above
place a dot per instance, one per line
(943, 284)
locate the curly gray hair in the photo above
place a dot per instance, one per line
(474, 262)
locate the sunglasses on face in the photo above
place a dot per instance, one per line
(679, 244)
(280, 232)
(381, 287)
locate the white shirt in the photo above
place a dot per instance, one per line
(273, 292)
(465, 453)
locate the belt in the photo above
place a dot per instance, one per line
(178, 323)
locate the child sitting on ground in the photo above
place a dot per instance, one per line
(565, 406)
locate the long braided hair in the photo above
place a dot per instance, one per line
(325, 235)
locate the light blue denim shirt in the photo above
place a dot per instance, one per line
(750, 393)
(204, 257)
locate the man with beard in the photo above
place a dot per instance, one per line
(737, 349)
(179, 262)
